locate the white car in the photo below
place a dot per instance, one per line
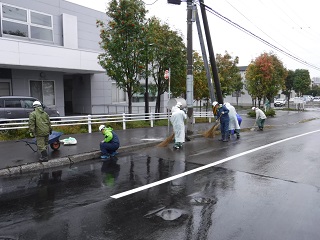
(280, 102)
(316, 99)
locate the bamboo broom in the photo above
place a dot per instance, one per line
(166, 141)
(210, 133)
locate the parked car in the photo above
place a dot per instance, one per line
(12, 107)
(307, 98)
(280, 102)
(316, 99)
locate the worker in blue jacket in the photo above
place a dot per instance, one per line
(221, 113)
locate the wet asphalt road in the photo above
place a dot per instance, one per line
(266, 186)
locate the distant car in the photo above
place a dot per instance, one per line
(12, 107)
(307, 98)
(297, 100)
(280, 102)
(316, 99)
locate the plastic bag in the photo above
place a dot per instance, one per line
(69, 141)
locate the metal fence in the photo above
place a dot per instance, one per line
(89, 120)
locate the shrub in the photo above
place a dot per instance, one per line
(269, 113)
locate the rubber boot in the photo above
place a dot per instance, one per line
(176, 145)
(237, 131)
(225, 138)
(44, 156)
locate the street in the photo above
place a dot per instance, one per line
(263, 186)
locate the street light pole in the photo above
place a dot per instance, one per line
(146, 95)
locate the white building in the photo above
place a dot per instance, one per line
(49, 50)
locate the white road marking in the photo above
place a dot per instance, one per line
(135, 190)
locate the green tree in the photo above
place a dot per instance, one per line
(302, 81)
(289, 85)
(167, 52)
(229, 74)
(265, 77)
(121, 40)
(200, 82)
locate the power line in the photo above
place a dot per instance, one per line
(149, 4)
(256, 25)
(209, 9)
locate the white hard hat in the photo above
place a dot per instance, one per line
(214, 103)
(179, 104)
(101, 127)
(253, 108)
(36, 104)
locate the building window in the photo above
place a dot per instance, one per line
(4, 88)
(44, 91)
(118, 95)
(26, 23)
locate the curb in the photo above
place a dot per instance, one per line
(69, 160)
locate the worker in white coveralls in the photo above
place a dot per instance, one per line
(233, 120)
(177, 120)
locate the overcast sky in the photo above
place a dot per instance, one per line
(290, 26)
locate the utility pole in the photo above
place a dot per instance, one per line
(205, 59)
(189, 82)
(211, 53)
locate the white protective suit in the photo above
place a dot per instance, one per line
(233, 123)
(177, 120)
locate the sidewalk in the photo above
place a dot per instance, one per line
(17, 157)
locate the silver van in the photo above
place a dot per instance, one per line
(12, 107)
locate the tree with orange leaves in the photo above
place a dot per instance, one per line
(265, 77)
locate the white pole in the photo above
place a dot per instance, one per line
(168, 101)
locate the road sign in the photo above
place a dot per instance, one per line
(166, 74)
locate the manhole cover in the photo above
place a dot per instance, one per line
(170, 214)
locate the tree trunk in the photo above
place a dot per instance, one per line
(129, 101)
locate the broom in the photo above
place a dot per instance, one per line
(254, 127)
(166, 141)
(210, 133)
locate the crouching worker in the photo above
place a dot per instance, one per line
(40, 127)
(110, 144)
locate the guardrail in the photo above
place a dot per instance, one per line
(89, 120)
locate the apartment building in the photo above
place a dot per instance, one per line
(49, 50)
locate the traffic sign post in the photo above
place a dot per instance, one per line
(167, 77)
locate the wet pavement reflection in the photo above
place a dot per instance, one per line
(269, 194)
